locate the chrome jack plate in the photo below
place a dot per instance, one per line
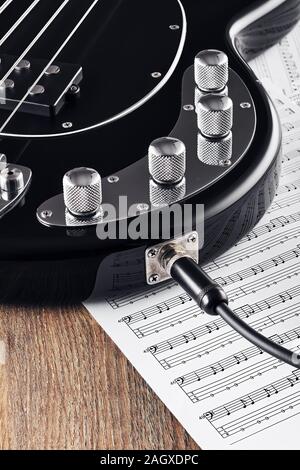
(155, 273)
(9, 199)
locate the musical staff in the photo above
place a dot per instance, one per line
(244, 312)
(284, 408)
(284, 203)
(249, 374)
(128, 298)
(289, 156)
(232, 256)
(289, 187)
(254, 397)
(207, 347)
(230, 361)
(156, 309)
(290, 169)
(272, 225)
(213, 326)
(265, 282)
(259, 268)
(291, 138)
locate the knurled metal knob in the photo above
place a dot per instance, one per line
(215, 151)
(215, 115)
(211, 70)
(199, 94)
(167, 160)
(166, 194)
(82, 191)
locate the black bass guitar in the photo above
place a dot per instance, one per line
(86, 87)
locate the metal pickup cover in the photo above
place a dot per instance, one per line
(48, 96)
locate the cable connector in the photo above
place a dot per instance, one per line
(206, 293)
(160, 258)
(176, 262)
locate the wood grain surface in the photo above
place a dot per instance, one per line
(65, 385)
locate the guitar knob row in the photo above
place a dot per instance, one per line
(213, 107)
(82, 187)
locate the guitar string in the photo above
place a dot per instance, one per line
(50, 62)
(5, 5)
(19, 21)
(33, 42)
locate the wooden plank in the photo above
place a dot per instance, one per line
(65, 385)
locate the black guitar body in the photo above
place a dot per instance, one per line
(130, 66)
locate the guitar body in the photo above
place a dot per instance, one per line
(129, 59)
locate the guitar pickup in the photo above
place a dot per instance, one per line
(48, 96)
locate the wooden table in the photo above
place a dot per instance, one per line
(60, 377)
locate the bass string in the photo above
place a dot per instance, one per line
(34, 41)
(92, 6)
(5, 5)
(19, 21)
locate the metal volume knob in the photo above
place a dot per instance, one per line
(215, 151)
(82, 191)
(167, 160)
(211, 70)
(215, 115)
(166, 194)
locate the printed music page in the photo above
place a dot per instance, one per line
(281, 65)
(226, 392)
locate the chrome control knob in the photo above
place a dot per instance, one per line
(215, 151)
(211, 70)
(82, 191)
(199, 94)
(167, 160)
(166, 194)
(215, 115)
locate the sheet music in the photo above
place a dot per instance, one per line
(226, 392)
(280, 65)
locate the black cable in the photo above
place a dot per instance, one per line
(212, 299)
(256, 338)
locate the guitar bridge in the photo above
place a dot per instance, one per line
(48, 96)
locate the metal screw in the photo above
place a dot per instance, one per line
(74, 89)
(192, 238)
(113, 179)
(142, 207)
(153, 279)
(225, 162)
(152, 253)
(174, 27)
(188, 107)
(46, 214)
(156, 74)
(67, 125)
(245, 105)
